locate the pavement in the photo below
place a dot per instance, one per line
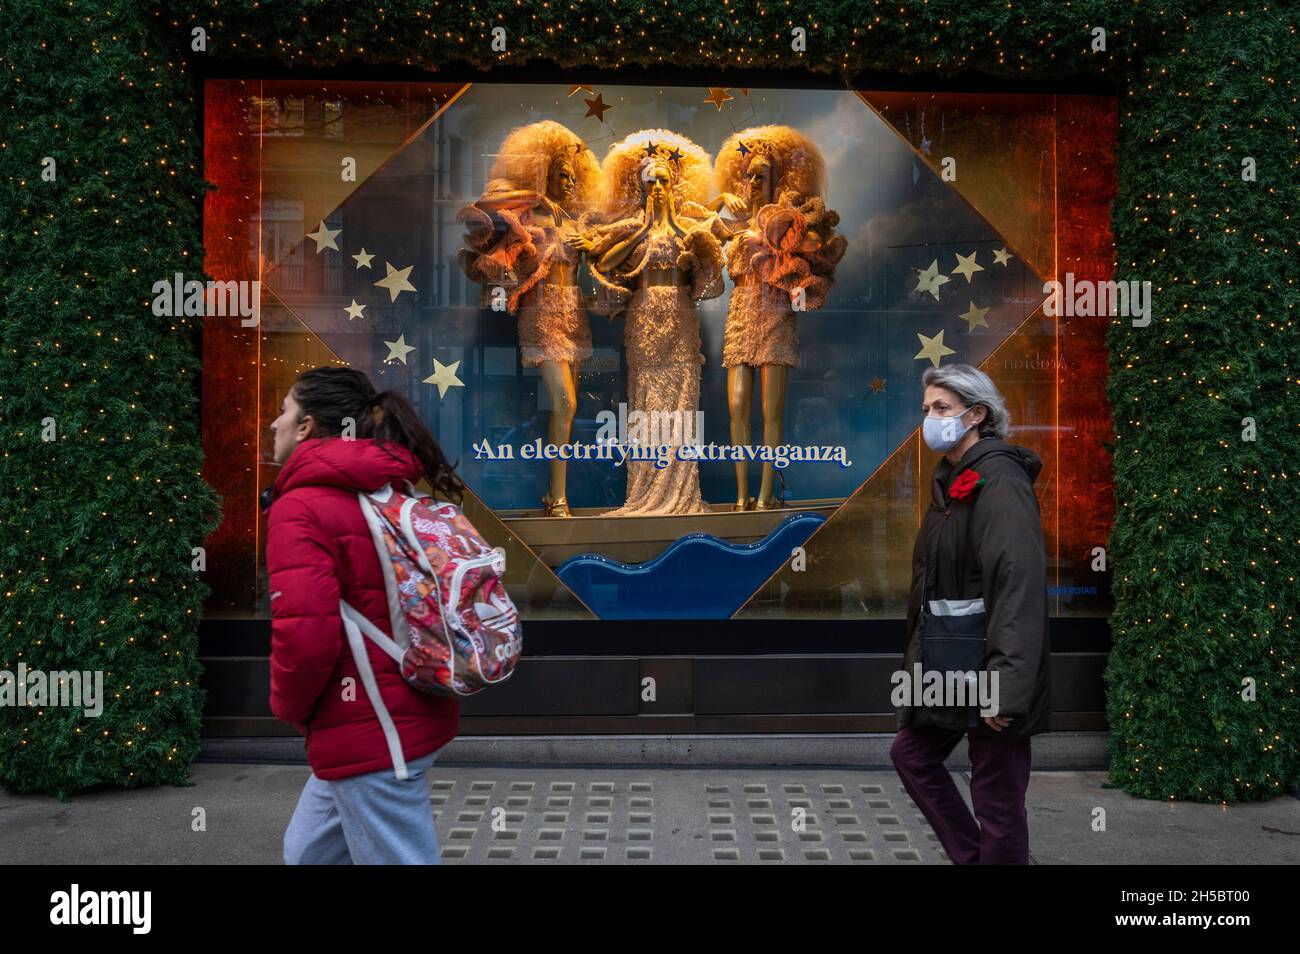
(621, 814)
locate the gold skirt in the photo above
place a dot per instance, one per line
(553, 325)
(761, 328)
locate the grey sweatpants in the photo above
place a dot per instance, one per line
(372, 819)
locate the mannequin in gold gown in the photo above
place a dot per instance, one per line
(655, 261)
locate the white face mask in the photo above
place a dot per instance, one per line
(943, 433)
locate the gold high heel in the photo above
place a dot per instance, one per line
(746, 503)
(776, 503)
(559, 507)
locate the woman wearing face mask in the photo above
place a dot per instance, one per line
(319, 549)
(981, 539)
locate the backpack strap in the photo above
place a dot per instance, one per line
(354, 623)
(396, 618)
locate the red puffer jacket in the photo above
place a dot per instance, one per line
(318, 549)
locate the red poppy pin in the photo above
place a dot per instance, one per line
(965, 485)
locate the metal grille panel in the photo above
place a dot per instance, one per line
(514, 815)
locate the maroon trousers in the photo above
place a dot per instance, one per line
(999, 778)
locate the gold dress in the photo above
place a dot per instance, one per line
(507, 249)
(662, 344)
(552, 318)
(767, 265)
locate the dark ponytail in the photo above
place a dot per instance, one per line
(330, 395)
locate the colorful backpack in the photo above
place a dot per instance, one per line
(456, 629)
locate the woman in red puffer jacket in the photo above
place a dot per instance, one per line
(336, 435)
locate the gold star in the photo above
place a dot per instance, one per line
(929, 280)
(975, 317)
(398, 350)
(324, 238)
(1000, 257)
(967, 266)
(932, 348)
(596, 107)
(395, 281)
(445, 377)
(718, 95)
(363, 259)
(577, 86)
(877, 384)
(354, 310)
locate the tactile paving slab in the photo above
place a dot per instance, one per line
(516, 815)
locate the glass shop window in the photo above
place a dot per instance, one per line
(276, 115)
(281, 240)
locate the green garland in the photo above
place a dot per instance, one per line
(98, 532)
(98, 398)
(1207, 529)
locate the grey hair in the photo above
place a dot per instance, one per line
(973, 386)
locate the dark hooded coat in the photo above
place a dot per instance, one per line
(988, 545)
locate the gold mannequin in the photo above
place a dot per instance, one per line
(740, 378)
(780, 251)
(560, 378)
(663, 260)
(555, 349)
